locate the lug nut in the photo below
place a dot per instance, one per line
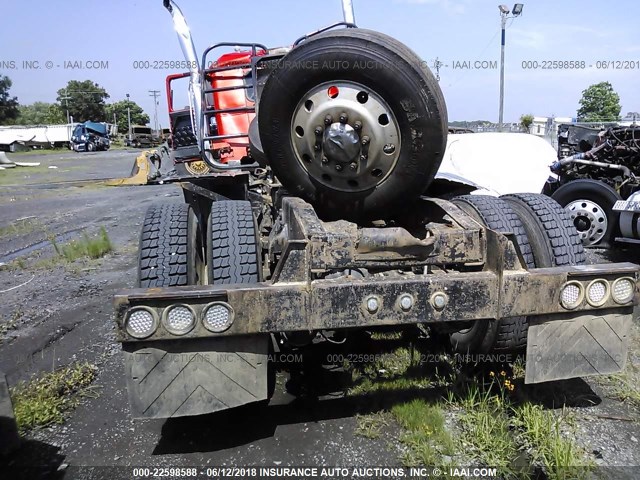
(363, 158)
(365, 140)
(358, 125)
(328, 120)
(317, 147)
(318, 130)
(325, 160)
(389, 148)
(338, 167)
(343, 118)
(353, 166)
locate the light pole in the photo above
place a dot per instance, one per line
(504, 14)
(129, 117)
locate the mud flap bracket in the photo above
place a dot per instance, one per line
(579, 345)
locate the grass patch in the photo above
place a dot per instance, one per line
(389, 335)
(370, 426)
(41, 151)
(397, 370)
(541, 435)
(427, 440)
(487, 427)
(14, 265)
(492, 426)
(45, 399)
(21, 175)
(624, 386)
(22, 226)
(87, 247)
(11, 323)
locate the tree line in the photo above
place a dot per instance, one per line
(599, 103)
(82, 100)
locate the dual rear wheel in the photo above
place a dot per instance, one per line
(174, 251)
(545, 236)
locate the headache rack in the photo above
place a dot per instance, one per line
(209, 110)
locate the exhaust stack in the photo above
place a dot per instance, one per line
(191, 56)
(347, 11)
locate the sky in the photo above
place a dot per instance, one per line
(457, 32)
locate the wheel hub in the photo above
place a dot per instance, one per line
(341, 143)
(345, 136)
(589, 219)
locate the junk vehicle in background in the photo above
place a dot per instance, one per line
(90, 137)
(597, 182)
(141, 137)
(310, 212)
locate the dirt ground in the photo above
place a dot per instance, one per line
(60, 314)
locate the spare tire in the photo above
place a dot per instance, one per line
(353, 122)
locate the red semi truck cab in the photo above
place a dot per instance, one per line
(230, 100)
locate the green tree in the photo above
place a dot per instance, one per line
(526, 120)
(41, 113)
(599, 103)
(138, 117)
(8, 105)
(85, 100)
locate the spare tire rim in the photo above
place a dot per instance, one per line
(590, 220)
(345, 136)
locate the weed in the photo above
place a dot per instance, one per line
(624, 386)
(541, 434)
(22, 226)
(426, 436)
(87, 247)
(369, 426)
(45, 399)
(486, 426)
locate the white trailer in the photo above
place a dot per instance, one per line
(14, 136)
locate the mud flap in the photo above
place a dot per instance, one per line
(579, 345)
(193, 377)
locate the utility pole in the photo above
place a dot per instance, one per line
(129, 117)
(66, 104)
(155, 94)
(504, 14)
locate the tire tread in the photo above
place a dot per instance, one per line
(232, 243)
(163, 258)
(497, 215)
(562, 238)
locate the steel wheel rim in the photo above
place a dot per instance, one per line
(345, 136)
(590, 220)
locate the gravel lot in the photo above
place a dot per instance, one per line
(64, 315)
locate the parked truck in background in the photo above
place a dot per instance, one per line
(89, 137)
(141, 137)
(597, 181)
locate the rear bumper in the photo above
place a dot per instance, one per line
(345, 302)
(202, 371)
